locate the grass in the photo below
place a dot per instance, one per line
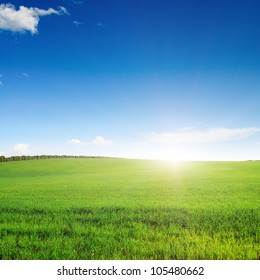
(105, 208)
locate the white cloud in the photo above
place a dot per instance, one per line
(21, 149)
(24, 19)
(75, 142)
(100, 141)
(199, 136)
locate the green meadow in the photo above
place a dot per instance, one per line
(105, 208)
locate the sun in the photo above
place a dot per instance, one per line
(177, 154)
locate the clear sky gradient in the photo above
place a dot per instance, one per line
(166, 79)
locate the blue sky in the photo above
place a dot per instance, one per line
(168, 79)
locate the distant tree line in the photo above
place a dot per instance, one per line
(18, 158)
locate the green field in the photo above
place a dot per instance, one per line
(103, 208)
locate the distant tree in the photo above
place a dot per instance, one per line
(2, 159)
(39, 157)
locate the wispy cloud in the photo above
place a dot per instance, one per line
(23, 75)
(1, 83)
(24, 19)
(63, 11)
(77, 23)
(75, 142)
(98, 141)
(201, 136)
(100, 24)
(76, 2)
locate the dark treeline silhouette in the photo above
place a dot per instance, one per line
(18, 158)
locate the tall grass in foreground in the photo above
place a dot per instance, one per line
(129, 209)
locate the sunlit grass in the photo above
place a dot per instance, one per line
(129, 209)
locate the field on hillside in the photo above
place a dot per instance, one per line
(103, 208)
